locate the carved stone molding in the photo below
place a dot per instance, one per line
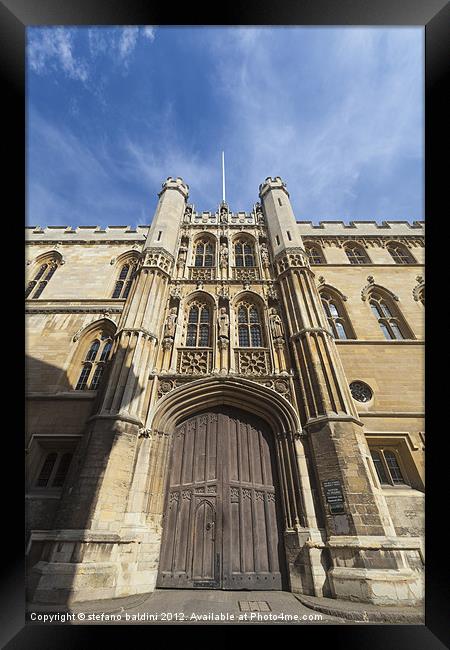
(160, 258)
(144, 433)
(245, 273)
(418, 289)
(252, 362)
(365, 292)
(194, 362)
(291, 258)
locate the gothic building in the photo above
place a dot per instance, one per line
(225, 400)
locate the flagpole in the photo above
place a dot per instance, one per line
(223, 177)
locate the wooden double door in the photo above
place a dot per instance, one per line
(221, 527)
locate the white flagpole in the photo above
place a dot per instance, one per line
(223, 177)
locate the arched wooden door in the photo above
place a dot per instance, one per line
(221, 528)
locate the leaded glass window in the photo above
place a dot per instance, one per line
(356, 254)
(125, 280)
(387, 317)
(249, 326)
(204, 253)
(387, 466)
(199, 326)
(54, 469)
(336, 316)
(41, 278)
(244, 253)
(94, 363)
(400, 254)
(315, 254)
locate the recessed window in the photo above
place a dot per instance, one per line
(387, 466)
(356, 254)
(249, 326)
(360, 391)
(159, 235)
(315, 254)
(388, 317)
(400, 254)
(204, 253)
(94, 363)
(198, 325)
(41, 278)
(54, 469)
(279, 202)
(244, 253)
(289, 235)
(336, 315)
(278, 240)
(125, 280)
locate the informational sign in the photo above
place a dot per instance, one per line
(334, 496)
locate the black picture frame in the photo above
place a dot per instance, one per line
(434, 16)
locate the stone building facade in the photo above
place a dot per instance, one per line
(226, 400)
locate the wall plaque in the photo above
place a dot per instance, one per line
(334, 496)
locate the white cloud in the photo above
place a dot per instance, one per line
(148, 32)
(368, 110)
(52, 48)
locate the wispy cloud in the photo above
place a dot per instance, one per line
(52, 49)
(367, 119)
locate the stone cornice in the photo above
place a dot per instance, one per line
(62, 307)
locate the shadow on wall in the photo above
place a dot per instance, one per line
(67, 452)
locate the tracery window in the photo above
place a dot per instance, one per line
(244, 253)
(356, 254)
(314, 253)
(94, 363)
(400, 254)
(387, 466)
(41, 278)
(388, 316)
(199, 325)
(204, 253)
(249, 326)
(54, 469)
(336, 316)
(125, 279)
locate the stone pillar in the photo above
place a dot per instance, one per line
(95, 555)
(366, 563)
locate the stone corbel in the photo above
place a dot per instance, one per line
(418, 288)
(144, 433)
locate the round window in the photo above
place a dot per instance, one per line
(361, 391)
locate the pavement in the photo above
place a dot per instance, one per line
(214, 607)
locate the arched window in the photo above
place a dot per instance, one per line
(249, 326)
(94, 363)
(388, 316)
(336, 316)
(54, 469)
(244, 253)
(41, 277)
(400, 254)
(314, 253)
(125, 280)
(204, 252)
(199, 325)
(356, 254)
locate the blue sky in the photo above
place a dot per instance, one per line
(112, 112)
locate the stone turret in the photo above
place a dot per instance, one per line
(281, 222)
(163, 232)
